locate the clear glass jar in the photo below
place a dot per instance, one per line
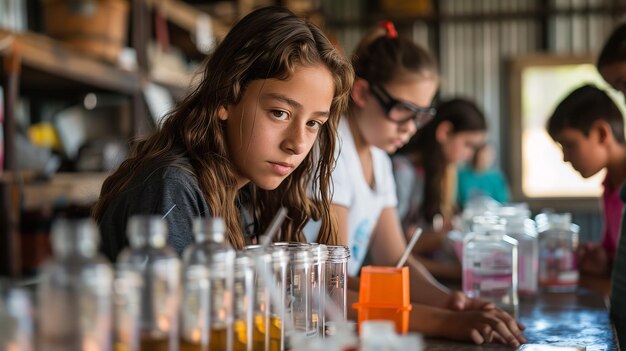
(490, 264)
(149, 274)
(270, 298)
(336, 279)
(243, 303)
(16, 318)
(278, 302)
(521, 228)
(206, 305)
(318, 281)
(299, 318)
(558, 241)
(74, 296)
(263, 283)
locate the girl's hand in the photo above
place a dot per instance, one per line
(483, 326)
(460, 302)
(592, 259)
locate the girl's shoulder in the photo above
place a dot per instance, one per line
(177, 175)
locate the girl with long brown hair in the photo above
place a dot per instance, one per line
(238, 145)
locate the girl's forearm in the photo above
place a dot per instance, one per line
(425, 289)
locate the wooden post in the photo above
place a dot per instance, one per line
(11, 64)
(10, 261)
(9, 188)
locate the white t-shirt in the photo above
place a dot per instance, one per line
(364, 203)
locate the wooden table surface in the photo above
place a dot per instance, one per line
(568, 319)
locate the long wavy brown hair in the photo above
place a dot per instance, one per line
(267, 43)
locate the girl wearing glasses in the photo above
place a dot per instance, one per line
(391, 96)
(426, 177)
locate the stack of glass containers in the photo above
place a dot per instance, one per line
(149, 276)
(558, 240)
(74, 296)
(490, 264)
(206, 306)
(520, 227)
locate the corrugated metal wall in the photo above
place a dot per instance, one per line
(474, 38)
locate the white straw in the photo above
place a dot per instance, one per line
(273, 228)
(409, 247)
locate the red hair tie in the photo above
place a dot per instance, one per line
(390, 28)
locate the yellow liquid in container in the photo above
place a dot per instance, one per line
(218, 340)
(154, 344)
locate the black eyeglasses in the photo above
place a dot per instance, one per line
(400, 111)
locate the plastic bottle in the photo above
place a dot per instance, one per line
(75, 293)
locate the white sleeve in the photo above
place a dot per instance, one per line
(342, 186)
(388, 184)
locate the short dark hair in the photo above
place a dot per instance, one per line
(584, 106)
(614, 50)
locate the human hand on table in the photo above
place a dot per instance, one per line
(592, 258)
(485, 315)
(483, 326)
(458, 301)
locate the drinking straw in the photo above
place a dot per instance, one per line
(273, 228)
(409, 247)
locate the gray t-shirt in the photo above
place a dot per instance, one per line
(171, 190)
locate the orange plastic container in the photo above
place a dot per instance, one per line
(385, 295)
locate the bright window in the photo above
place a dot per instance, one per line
(540, 171)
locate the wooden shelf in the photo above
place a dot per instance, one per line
(48, 65)
(63, 188)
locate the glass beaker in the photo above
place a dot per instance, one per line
(74, 296)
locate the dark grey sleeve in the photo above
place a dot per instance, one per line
(172, 193)
(175, 199)
(180, 204)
